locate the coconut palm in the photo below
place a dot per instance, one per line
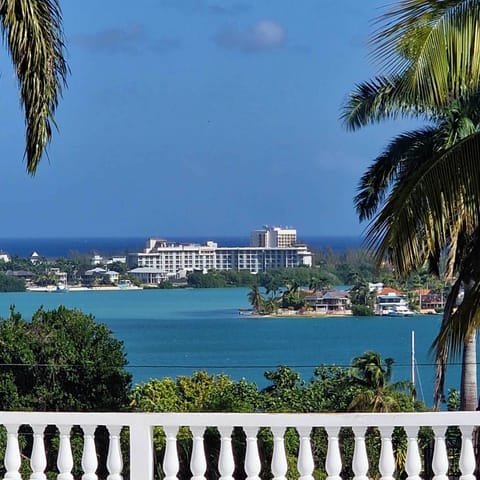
(422, 194)
(32, 31)
(373, 375)
(256, 299)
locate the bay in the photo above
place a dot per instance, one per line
(175, 332)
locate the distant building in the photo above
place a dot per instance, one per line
(96, 260)
(117, 259)
(165, 260)
(330, 302)
(4, 257)
(61, 277)
(34, 257)
(100, 273)
(388, 299)
(273, 237)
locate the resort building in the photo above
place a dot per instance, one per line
(273, 237)
(161, 259)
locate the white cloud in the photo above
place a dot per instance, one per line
(263, 35)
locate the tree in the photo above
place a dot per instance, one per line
(422, 194)
(256, 299)
(373, 374)
(61, 361)
(32, 30)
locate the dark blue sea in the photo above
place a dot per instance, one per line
(65, 247)
(176, 332)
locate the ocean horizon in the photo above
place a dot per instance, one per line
(67, 246)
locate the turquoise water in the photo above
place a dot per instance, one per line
(174, 332)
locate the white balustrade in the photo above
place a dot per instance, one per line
(13, 460)
(440, 455)
(305, 463)
(279, 458)
(226, 462)
(139, 427)
(38, 460)
(198, 463)
(114, 458)
(360, 458)
(171, 464)
(333, 462)
(65, 457)
(386, 464)
(467, 455)
(413, 464)
(252, 457)
(89, 456)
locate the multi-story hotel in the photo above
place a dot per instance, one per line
(269, 249)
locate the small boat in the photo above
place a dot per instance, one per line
(61, 287)
(400, 311)
(245, 311)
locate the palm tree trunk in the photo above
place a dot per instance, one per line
(468, 388)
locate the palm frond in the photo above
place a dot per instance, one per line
(33, 33)
(434, 46)
(422, 209)
(441, 350)
(401, 155)
(374, 101)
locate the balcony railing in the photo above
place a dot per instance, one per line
(139, 455)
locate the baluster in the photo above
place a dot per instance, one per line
(467, 455)
(360, 457)
(170, 461)
(333, 462)
(38, 460)
(226, 462)
(386, 463)
(198, 462)
(12, 460)
(305, 464)
(65, 457)
(252, 458)
(279, 458)
(440, 456)
(89, 455)
(114, 458)
(413, 464)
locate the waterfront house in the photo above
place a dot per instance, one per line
(431, 302)
(100, 274)
(336, 302)
(388, 300)
(23, 274)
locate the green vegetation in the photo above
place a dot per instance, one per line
(39, 66)
(422, 193)
(61, 361)
(332, 389)
(11, 284)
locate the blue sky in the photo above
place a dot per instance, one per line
(198, 117)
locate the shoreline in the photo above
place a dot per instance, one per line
(54, 289)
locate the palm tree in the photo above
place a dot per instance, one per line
(422, 194)
(256, 299)
(32, 31)
(373, 375)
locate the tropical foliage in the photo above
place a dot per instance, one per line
(332, 389)
(422, 193)
(32, 32)
(61, 360)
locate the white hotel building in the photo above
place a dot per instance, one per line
(269, 249)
